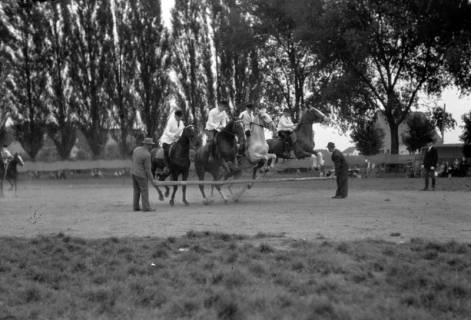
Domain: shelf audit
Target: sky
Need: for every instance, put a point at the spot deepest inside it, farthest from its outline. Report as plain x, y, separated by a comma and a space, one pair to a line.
455, 104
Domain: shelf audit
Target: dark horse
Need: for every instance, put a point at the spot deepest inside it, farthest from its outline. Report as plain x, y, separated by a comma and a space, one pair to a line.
11, 172
179, 163
304, 142
230, 142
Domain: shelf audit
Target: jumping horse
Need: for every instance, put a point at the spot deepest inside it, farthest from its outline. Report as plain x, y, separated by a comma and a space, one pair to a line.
230, 142
258, 153
179, 163
303, 137
9, 172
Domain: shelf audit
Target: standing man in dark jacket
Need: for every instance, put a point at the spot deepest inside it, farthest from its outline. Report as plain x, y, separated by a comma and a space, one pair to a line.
341, 171
141, 174
430, 163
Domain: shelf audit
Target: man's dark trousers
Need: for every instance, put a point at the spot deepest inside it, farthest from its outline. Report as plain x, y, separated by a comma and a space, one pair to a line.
141, 188
342, 183
429, 173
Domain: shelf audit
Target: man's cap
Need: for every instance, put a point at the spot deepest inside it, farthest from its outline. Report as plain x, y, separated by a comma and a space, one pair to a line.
331, 145
148, 141
249, 106
179, 113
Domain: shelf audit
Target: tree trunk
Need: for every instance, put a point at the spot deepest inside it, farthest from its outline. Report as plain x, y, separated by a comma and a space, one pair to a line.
394, 129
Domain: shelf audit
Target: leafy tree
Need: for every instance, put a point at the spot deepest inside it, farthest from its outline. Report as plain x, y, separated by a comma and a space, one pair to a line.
152, 54
62, 125
192, 57
120, 86
90, 54
368, 139
442, 120
238, 48
288, 63
25, 52
421, 131
466, 136
394, 48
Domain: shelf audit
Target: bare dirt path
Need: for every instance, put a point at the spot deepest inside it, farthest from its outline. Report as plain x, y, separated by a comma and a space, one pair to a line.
391, 209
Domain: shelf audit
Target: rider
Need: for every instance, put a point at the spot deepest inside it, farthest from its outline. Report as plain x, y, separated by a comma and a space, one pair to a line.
285, 129
5, 154
217, 120
173, 131
247, 118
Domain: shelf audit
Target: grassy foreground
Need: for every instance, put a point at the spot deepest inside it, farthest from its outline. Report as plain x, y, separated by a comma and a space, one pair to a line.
220, 276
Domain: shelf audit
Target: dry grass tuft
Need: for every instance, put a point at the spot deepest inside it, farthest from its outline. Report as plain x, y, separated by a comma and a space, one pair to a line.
205, 275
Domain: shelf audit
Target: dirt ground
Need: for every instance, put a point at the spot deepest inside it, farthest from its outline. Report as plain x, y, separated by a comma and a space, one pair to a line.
392, 209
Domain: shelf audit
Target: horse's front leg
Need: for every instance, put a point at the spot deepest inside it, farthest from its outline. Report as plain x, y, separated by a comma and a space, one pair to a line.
185, 178
175, 187
216, 177
162, 177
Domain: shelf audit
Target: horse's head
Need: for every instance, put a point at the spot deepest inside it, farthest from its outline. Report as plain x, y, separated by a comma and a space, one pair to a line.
239, 131
18, 158
263, 119
313, 115
235, 128
189, 131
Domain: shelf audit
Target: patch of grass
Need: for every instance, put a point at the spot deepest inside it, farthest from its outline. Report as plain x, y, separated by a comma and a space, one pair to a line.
223, 276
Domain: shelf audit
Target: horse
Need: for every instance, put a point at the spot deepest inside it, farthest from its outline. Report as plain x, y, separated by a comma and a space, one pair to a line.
178, 162
11, 172
230, 143
257, 147
303, 137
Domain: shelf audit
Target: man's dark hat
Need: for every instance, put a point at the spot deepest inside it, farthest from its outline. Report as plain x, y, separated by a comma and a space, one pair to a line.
179, 113
331, 145
249, 106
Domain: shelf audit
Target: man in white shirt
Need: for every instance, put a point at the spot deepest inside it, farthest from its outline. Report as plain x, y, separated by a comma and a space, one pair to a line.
172, 132
247, 118
217, 120
285, 129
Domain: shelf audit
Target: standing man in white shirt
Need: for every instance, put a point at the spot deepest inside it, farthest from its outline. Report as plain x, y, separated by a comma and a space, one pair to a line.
247, 118
285, 129
217, 120
172, 132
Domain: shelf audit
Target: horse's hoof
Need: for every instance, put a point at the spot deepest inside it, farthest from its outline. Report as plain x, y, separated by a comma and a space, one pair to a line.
161, 197
167, 194
186, 203
249, 186
172, 203
207, 202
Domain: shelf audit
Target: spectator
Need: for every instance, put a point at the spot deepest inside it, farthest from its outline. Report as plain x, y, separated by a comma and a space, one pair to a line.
341, 171
430, 164
141, 174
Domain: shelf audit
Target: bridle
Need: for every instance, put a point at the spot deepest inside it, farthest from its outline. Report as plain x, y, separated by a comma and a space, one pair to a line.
229, 132
261, 125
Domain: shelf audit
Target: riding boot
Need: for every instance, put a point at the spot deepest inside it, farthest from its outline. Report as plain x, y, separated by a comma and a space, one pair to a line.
166, 168
286, 150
